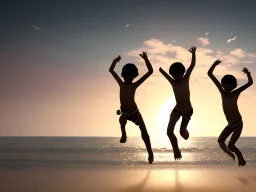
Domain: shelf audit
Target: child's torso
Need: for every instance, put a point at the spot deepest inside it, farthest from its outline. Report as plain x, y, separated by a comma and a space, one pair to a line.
182, 94
230, 107
127, 93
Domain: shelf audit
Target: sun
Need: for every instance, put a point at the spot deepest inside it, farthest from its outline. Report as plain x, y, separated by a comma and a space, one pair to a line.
162, 120
163, 117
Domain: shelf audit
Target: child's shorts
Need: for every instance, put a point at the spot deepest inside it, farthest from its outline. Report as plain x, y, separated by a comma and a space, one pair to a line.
135, 117
236, 125
187, 114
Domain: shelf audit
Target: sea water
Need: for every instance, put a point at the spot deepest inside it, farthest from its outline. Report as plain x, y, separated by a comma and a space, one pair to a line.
31, 152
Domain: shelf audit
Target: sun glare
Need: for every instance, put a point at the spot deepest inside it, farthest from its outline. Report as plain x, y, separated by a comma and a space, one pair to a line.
163, 116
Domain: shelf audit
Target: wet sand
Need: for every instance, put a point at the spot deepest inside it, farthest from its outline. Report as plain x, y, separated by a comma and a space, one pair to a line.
174, 178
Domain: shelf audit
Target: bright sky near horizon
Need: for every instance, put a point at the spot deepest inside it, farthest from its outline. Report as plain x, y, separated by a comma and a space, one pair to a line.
54, 61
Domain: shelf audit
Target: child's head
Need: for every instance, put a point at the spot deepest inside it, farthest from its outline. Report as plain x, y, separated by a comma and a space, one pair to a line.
177, 70
129, 72
229, 83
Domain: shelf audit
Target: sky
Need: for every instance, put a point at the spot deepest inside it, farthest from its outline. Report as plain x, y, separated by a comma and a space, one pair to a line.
55, 56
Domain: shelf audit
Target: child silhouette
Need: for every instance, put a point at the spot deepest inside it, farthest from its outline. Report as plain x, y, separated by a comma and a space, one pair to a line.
229, 103
180, 85
129, 110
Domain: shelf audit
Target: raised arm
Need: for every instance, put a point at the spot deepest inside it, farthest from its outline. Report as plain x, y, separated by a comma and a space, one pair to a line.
213, 78
168, 77
111, 70
193, 61
150, 69
248, 84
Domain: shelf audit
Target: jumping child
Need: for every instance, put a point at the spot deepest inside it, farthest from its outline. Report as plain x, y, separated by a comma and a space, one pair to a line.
129, 110
180, 85
229, 103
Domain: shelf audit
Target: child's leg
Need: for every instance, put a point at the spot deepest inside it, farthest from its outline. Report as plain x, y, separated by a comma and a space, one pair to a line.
123, 122
233, 148
222, 138
184, 123
172, 137
183, 128
146, 139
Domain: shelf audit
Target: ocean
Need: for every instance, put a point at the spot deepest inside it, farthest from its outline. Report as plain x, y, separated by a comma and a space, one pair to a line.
86, 152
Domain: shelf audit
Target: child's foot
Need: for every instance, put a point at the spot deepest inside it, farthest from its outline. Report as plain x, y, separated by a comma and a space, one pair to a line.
241, 162
233, 156
185, 134
150, 158
177, 154
123, 139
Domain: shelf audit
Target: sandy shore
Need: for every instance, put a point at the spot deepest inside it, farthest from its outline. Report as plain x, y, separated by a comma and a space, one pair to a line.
129, 179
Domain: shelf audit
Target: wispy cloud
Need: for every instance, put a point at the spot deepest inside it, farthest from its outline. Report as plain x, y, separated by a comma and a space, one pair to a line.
127, 25
36, 28
207, 33
204, 41
229, 40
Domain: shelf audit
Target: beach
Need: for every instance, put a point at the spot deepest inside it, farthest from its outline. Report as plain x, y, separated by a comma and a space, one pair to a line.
101, 164
129, 180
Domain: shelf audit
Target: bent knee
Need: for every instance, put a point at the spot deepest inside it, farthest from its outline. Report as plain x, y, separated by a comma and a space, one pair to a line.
220, 141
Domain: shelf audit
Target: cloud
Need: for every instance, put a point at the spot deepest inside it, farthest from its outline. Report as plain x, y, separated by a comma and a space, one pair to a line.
251, 55
238, 53
207, 33
163, 54
229, 40
36, 28
173, 41
204, 41
247, 62
127, 25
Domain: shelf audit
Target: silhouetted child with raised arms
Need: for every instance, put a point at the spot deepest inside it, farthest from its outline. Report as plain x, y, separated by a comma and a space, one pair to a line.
129, 110
229, 103
180, 85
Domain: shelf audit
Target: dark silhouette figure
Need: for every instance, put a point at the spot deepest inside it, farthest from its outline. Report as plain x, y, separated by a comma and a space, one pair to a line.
230, 108
180, 85
129, 110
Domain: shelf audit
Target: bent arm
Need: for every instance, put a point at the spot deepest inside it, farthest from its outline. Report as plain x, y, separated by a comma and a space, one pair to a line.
192, 65
214, 79
114, 74
248, 84
166, 75
144, 77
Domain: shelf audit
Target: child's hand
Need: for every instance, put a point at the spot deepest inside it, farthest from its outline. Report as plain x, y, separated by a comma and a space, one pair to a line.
117, 59
245, 70
144, 55
217, 62
192, 49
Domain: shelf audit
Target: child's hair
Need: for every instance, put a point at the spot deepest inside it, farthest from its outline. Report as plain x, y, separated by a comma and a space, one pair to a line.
177, 68
229, 79
130, 70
